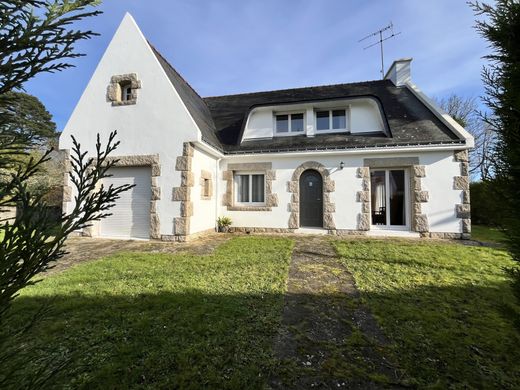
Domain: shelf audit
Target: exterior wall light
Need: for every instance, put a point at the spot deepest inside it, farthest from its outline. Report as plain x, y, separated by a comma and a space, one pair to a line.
341, 165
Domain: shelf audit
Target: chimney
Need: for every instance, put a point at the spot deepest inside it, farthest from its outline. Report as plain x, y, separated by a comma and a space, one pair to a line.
399, 72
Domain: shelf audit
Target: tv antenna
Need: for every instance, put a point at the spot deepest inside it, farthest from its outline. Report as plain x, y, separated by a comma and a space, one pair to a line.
382, 38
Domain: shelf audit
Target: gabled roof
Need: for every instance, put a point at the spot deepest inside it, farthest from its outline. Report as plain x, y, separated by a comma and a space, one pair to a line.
191, 99
221, 119
409, 121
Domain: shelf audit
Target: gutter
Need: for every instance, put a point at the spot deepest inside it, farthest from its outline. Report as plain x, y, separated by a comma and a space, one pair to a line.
335, 152
385, 148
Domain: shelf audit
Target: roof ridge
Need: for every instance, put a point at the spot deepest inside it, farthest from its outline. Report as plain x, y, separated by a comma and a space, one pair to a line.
171, 66
294, 89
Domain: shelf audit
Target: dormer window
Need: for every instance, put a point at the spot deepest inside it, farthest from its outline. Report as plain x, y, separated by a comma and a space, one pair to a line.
331, 120
289, 123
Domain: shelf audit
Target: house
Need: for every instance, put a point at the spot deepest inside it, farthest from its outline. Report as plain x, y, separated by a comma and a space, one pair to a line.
371, 158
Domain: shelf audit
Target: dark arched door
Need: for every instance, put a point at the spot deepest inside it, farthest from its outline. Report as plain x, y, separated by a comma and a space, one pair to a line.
311, 199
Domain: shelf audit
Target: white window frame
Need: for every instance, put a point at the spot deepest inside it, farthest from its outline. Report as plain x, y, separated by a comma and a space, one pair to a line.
126, 91
407, 202
289, 133
235, 192
346, 129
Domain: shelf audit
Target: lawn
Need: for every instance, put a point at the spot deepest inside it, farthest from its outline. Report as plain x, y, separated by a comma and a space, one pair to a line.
155, 320
487, 234
165, 321
443, 306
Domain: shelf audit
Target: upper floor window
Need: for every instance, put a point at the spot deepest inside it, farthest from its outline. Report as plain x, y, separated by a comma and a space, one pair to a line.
289, 123
122, 90
329, 120
126, 91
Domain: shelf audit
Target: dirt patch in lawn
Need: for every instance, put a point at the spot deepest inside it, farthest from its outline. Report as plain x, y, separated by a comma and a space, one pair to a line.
328, 339
83, 249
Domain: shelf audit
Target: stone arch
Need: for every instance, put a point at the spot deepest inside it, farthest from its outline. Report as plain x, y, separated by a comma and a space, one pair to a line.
293, 187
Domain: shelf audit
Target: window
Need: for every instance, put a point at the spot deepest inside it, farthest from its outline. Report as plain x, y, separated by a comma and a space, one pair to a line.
388, 197
289, 123
330, 120
206, 188
250, 188
126, 91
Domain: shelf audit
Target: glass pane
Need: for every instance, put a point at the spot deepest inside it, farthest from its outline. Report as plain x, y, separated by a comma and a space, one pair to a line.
258, 188
322, 120
297, 122
339, 120
243, 188
378, 197
206, 187
397, 205
282, 123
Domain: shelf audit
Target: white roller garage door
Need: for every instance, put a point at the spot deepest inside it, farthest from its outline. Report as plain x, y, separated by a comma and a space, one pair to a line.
131, 215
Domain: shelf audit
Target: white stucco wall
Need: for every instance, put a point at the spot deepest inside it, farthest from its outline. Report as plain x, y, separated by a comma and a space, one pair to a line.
158, 124
365, 117
440, 170
204, 210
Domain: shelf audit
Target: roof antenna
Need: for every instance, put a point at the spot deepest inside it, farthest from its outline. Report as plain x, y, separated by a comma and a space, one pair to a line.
382, 38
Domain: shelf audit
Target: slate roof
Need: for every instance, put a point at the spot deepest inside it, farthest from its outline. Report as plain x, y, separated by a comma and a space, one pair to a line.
221, 118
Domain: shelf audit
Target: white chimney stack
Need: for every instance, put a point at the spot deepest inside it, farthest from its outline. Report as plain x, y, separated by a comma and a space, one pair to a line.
399, 72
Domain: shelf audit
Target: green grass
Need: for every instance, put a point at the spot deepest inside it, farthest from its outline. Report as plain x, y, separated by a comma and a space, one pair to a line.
443, 306
487, 234
165, 321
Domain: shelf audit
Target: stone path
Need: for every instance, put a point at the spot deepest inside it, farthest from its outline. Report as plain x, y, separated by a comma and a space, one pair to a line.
83, 249
328, 339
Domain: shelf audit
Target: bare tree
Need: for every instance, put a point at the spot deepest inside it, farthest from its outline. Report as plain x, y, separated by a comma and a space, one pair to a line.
465, 112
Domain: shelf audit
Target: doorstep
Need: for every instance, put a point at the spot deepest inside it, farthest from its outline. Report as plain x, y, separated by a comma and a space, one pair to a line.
311, 230
393, 233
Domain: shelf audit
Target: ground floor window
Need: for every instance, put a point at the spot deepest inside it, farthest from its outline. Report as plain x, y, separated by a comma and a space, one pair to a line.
250, 188
389, 197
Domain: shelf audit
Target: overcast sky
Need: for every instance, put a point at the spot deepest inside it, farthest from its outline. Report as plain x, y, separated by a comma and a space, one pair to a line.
231, 46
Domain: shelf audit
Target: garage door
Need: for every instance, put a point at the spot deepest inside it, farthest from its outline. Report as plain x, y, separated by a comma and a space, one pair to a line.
131, 215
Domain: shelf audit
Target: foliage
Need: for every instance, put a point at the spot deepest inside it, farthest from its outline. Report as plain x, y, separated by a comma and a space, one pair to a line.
27, 130
224, 222
484, 208
442, 307
35, 37
500, 26
163, 320
25, 123
33, 241
465, 112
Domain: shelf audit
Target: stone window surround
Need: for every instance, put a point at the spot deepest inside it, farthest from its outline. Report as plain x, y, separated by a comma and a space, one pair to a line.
419, 221
293, 187
271, 200
463, 210
114, 92
181, 224
206, 176
151, 160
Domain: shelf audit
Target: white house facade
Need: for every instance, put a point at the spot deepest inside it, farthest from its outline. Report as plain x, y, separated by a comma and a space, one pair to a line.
371, 158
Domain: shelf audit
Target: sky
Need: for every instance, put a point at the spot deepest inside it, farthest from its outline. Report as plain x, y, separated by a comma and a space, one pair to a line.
232, 46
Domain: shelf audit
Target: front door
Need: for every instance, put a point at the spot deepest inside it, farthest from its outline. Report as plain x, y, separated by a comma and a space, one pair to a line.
311, 199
